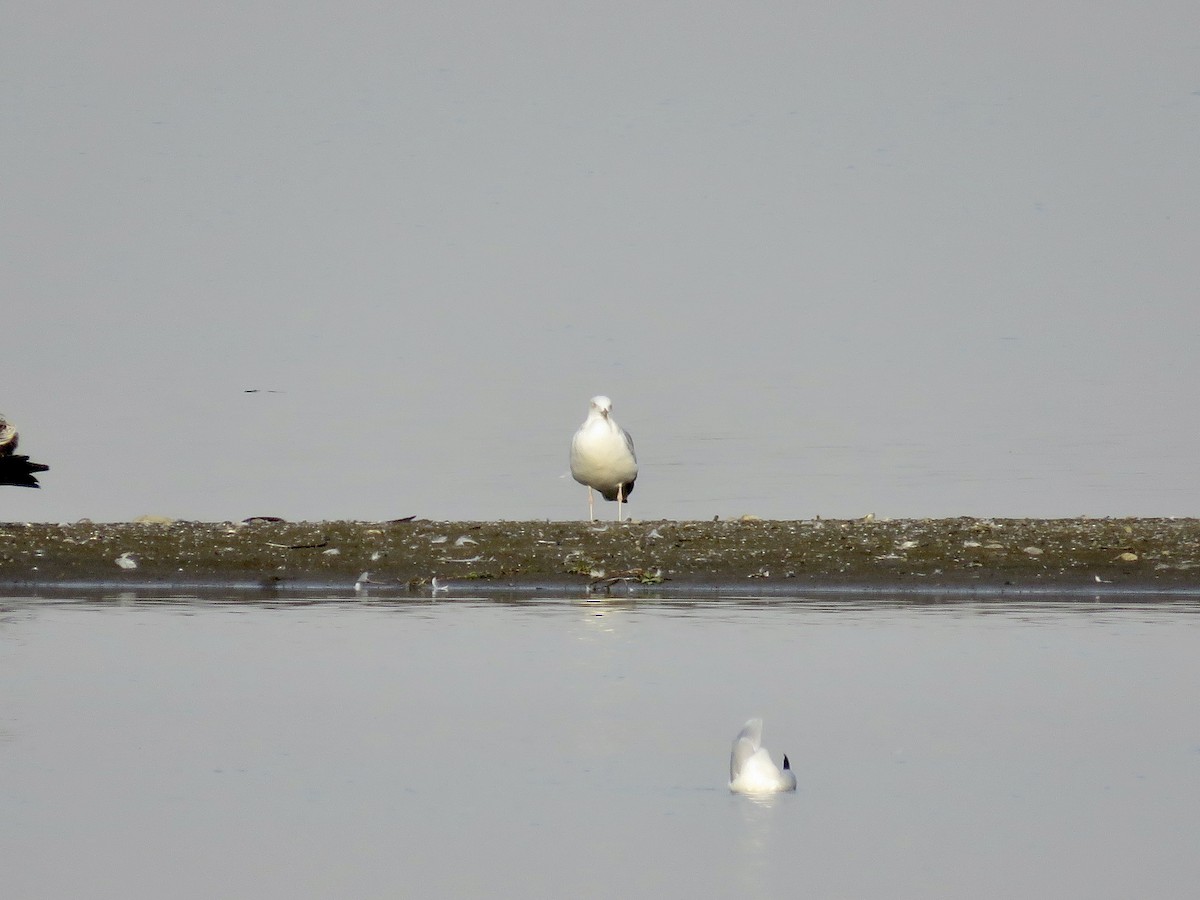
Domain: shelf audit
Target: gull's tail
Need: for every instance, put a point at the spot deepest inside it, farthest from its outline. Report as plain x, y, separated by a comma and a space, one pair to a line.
625, 490
19, 471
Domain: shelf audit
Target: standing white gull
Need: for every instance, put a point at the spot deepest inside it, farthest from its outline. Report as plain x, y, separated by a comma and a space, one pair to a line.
602, 456
751, 770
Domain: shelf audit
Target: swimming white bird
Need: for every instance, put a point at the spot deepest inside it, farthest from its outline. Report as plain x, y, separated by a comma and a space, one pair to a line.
750, 768
602, 456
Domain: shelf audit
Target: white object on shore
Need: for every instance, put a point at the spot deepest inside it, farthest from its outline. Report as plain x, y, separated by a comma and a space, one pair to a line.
602, 456
751, 770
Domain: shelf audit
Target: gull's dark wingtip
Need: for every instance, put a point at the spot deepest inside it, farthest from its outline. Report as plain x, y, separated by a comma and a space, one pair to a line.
625, 490
786, 765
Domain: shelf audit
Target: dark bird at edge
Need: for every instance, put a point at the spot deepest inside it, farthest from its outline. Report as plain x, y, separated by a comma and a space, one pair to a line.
15, 469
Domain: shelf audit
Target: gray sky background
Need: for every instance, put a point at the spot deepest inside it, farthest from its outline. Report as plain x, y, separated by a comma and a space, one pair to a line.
910, 258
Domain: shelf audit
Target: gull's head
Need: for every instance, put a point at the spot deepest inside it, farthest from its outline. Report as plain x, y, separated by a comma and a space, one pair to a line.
601, 405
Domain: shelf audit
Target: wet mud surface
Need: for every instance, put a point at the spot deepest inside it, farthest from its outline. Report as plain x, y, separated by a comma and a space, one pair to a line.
664, 558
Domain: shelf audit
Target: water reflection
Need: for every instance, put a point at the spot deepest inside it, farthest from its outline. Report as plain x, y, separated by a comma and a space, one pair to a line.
761, 842
565, 747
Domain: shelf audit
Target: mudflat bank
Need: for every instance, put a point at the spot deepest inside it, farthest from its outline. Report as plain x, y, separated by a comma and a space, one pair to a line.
746, 556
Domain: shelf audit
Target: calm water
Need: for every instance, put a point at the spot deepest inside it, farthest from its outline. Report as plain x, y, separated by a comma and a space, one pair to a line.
204, 749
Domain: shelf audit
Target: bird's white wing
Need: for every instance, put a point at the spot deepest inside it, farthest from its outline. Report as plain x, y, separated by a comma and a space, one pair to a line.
629, 444
745, 745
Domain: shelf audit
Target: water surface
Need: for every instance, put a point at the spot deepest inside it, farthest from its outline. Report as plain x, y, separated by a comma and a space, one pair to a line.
192, 748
